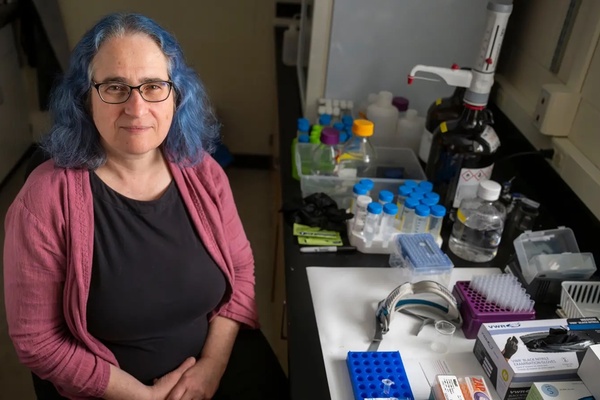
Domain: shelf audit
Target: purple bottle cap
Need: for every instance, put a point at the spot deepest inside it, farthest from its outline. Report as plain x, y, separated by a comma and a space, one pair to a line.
330, 136
401, 103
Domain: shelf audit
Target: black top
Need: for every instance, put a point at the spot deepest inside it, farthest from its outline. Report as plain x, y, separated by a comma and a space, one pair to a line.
153, 282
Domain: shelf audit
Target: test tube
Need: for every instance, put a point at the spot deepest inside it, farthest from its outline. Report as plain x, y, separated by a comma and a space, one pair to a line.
419, 190
387, 386
433, 196
428, 201
369, 185
385, 196
435, 220
416, 195
388, 223
421, 221
357, 190
426, 185
403, 192
410, 183
371, 225
362, 202
408, 217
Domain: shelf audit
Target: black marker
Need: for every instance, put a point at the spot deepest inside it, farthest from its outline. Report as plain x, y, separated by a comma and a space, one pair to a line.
327, 249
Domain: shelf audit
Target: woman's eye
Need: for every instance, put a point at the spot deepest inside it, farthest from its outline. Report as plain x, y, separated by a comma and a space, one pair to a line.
116, 88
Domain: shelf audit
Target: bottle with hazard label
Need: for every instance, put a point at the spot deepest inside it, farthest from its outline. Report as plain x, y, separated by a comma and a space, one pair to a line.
479, 223
462, 154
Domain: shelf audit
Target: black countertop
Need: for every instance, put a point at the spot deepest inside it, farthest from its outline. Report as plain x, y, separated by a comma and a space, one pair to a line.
306, 368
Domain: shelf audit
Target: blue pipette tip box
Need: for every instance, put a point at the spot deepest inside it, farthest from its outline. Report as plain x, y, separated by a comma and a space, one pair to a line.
368, 369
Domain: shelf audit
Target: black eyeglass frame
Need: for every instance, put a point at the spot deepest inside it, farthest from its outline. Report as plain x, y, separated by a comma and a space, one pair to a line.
131, 88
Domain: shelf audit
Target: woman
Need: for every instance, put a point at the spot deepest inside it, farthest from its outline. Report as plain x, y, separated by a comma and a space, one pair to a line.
127, 271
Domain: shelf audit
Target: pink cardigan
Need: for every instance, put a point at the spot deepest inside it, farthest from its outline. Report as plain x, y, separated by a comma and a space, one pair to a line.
48, 259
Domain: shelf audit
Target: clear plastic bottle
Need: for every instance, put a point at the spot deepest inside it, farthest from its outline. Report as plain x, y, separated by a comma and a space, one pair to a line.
388, 223
479, 223
408, 216
436, 220
372, 222
357, 190
358, 155
385, 118
421, 222
324, 157
385, 196
362, 202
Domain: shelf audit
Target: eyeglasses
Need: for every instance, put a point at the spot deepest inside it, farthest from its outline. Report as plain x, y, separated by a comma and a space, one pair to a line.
118, 92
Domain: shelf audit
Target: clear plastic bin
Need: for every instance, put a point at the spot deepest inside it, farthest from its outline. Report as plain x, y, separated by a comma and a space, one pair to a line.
580, 299
552, 254
390, 162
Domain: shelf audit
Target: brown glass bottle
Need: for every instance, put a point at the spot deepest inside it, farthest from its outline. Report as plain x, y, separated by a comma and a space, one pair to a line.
445, 109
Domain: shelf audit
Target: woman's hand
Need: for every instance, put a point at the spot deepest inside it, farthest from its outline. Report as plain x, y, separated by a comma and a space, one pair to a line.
200, 382
163, 386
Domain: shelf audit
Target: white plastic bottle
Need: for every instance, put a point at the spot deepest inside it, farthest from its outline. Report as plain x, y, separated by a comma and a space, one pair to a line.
409, 130
385, 118
479, 223
289, 53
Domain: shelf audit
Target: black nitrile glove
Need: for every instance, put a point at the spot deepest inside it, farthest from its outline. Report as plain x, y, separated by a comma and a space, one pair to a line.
512, 344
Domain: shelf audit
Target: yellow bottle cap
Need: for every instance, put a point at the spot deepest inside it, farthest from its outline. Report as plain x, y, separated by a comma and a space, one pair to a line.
362, 127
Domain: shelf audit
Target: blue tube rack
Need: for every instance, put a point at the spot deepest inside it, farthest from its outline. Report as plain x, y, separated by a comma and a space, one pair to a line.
368, 369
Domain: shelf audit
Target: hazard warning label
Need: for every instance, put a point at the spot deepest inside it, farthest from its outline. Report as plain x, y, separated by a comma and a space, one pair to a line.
468, 181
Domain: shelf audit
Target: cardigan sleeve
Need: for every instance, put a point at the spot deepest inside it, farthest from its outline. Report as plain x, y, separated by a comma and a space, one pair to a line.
34, 278
242, 306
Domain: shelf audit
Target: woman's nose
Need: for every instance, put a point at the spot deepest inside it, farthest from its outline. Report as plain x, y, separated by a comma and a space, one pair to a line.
136, 105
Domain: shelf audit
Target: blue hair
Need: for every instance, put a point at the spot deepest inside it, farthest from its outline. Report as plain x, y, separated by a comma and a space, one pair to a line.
74, 141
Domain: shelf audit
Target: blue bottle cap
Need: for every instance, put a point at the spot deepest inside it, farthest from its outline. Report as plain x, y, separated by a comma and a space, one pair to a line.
325, 119
416, 196
347, 120
343, 137
434, 196
339, 126
411, 203
374, 208
367, 182
386, 196
428, 186
419, 190
360, 189
303, 138
422, 210
410, 183
404, 190
429, 202
438, 210
303, 125
390, 208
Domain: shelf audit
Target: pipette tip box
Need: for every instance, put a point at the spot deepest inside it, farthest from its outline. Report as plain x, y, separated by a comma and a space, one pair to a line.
368, 370
475, 310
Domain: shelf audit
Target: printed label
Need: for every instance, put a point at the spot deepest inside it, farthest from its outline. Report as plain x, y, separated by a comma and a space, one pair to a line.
491, 138
438, 101
468, 181
443, 127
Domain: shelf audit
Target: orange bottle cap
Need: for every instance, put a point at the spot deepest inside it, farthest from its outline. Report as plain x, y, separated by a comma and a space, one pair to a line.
362, 127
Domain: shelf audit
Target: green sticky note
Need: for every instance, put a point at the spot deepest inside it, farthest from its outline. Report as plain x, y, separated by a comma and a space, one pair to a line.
313, 231
312, 241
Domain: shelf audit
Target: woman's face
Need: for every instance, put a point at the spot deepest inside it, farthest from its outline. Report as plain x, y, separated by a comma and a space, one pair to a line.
135, 128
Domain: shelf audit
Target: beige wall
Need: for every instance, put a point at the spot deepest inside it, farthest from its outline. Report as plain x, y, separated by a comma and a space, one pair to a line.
229, 42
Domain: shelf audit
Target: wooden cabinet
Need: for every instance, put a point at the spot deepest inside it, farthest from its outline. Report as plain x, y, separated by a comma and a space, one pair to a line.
15, 136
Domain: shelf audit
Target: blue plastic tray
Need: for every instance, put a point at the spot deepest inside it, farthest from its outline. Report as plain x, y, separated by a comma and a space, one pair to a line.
369, 368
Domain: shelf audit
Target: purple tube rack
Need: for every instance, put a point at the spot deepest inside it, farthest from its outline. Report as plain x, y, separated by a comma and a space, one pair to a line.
475, 310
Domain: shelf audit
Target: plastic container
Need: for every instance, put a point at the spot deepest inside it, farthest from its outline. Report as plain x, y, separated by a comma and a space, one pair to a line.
362, 202
580, 299
340, 188
552, 254
368, 183
385, 196
369, 372
324, 157
426, 186
476, 310
436, 220
385, 117
421, 224
403, 193
422, 258
358, 156
407, 222
372, 222
409, 130
479, 223
357, 190
387, 227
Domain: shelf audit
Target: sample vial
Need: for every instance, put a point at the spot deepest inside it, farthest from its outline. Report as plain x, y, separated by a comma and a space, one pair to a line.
408, 217
419, 190
421, 221
416, 195
410, 183
403, 192
388, 223
371, 226
368, 183
428, 201
357, 190
385, 196
426, 185
433, 196
348, 121
436, 220
362, 202
303, 127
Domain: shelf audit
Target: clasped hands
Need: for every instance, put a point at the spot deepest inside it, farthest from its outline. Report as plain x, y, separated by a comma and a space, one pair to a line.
192, 380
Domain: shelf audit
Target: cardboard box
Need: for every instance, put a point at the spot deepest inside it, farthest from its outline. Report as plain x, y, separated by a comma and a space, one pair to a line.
512, 367
588, 372
558, 390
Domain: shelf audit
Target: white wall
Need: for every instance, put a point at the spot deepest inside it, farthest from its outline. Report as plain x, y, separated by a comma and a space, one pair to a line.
230, 44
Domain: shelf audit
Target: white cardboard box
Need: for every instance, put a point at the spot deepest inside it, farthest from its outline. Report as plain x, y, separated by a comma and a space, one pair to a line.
512, 367
589, 370
558, 390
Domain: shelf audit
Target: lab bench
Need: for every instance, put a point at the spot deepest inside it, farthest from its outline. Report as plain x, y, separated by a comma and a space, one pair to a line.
534, 177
